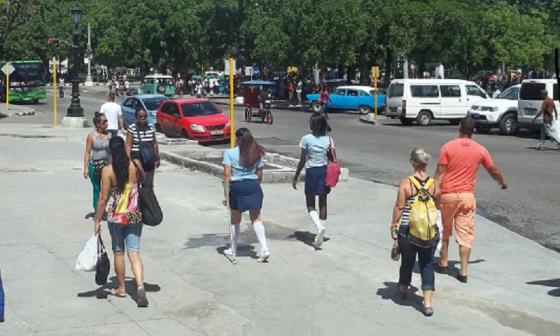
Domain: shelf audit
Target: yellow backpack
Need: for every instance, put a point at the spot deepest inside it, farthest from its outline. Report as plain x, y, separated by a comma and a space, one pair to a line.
422, 219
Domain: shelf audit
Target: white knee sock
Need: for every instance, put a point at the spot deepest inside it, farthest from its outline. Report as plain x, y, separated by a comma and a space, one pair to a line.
259, 231
324, 223
315, 219
235, 237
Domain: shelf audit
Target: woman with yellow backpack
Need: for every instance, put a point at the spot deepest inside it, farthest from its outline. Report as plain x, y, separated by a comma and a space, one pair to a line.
414, 227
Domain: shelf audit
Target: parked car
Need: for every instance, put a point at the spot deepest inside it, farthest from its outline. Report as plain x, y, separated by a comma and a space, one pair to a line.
426, 99
500, 112
351, 97
149, 102
530, 101
158, 84
193, 118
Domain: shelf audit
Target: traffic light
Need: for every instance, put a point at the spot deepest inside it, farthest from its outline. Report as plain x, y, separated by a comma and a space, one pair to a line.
53, 40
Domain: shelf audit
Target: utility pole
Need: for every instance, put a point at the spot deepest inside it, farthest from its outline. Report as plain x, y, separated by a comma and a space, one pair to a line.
89, 55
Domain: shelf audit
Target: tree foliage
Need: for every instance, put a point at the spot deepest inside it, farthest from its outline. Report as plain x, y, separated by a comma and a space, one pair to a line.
465, 35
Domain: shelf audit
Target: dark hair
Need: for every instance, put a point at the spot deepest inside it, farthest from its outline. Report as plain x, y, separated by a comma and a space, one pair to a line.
467, 125
319, 124
111, 96
97, 118
119, 161
249, 150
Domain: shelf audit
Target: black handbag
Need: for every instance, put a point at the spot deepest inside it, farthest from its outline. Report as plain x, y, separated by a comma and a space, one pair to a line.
148, 203
103, 266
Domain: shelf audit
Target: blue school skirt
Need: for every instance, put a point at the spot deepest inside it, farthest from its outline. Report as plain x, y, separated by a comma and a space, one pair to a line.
315, 181
245, 195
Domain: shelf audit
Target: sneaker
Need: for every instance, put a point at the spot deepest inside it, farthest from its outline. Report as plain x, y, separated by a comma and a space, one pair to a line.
540, 145
229, 252
264, 257
319, 237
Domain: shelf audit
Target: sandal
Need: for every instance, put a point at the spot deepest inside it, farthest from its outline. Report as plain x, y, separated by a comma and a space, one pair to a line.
142, 299
116, 292
440, 269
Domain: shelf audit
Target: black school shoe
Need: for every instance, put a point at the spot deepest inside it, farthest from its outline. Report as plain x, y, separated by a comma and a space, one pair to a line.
462, 278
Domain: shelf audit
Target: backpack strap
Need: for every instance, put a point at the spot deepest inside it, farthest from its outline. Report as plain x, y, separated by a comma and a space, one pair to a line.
418, 185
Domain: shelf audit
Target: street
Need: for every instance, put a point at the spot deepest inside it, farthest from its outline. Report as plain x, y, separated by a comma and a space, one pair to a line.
347, 288
380, 153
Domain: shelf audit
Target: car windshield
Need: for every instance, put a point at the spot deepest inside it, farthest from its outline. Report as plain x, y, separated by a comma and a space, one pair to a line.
152, 104
199, 109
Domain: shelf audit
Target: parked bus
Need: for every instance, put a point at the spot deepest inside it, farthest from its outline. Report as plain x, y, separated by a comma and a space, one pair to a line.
27, 82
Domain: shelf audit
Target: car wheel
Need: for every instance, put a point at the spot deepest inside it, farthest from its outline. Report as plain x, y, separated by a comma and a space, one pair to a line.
161, 89
406, 121
158, 128
316, 106
364, 109
508, 124
424, 118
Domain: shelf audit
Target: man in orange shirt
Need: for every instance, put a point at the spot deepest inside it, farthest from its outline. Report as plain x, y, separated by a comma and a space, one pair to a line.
456, 174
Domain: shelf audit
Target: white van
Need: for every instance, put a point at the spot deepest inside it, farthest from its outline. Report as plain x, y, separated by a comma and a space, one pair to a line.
530, 100
426, 99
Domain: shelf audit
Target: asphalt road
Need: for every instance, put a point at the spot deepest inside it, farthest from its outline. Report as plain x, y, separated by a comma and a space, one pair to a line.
380, 153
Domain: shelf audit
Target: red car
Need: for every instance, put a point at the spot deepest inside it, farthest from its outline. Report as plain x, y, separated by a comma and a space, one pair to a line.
193, 118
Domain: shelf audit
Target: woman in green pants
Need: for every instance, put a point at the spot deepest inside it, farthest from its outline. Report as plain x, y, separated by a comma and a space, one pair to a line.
96, 155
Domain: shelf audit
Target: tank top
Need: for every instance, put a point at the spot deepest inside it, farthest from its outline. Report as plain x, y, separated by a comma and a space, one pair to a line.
123, 207
100, 148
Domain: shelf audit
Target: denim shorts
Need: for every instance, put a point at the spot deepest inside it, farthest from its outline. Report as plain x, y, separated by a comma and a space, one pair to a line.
125, 236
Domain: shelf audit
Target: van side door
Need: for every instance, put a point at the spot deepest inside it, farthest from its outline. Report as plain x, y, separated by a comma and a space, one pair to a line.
452, 105
425, 97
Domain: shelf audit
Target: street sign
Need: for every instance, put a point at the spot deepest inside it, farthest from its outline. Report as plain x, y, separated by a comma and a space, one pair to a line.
375, 71
226, 66
8, 69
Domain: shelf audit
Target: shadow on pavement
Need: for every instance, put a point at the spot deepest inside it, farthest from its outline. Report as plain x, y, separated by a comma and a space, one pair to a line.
453, 266
307, 238
242, 251
129, 285
389, 292
549, 283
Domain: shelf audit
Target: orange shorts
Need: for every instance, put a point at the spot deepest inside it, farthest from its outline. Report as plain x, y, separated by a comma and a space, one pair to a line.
457, 212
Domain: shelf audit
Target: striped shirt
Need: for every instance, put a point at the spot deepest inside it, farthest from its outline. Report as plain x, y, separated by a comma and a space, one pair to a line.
147, 134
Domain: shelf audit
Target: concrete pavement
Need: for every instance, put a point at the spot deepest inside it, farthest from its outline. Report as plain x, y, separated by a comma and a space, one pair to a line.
345, 289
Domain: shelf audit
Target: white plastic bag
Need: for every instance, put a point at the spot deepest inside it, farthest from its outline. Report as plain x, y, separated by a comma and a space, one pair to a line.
87, 260
440, 229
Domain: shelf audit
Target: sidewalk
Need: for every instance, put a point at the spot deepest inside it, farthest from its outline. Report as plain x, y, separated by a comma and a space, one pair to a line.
15, 110
345, 289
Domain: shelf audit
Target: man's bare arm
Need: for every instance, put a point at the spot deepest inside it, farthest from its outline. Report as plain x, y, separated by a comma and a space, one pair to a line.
496, 174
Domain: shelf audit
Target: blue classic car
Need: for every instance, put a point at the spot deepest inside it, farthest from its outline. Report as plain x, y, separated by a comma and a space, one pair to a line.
352, 97
150, 102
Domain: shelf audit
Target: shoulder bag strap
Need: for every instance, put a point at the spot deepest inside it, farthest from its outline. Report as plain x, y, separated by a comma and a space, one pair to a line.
138, 175
139, 137
331, 149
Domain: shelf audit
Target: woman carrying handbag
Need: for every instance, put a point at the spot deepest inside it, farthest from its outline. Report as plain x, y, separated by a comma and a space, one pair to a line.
315, 148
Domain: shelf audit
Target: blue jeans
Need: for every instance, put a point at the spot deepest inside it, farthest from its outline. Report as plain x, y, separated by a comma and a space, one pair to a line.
125, 236
425, 263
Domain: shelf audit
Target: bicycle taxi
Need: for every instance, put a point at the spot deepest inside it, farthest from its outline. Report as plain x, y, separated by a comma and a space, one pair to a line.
257, 96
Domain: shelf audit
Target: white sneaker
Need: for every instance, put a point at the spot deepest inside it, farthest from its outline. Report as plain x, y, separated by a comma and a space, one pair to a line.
264, 256
229, 252
319, 237
540, 145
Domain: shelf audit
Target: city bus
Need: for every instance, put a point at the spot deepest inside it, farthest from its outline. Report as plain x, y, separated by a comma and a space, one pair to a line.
27, 82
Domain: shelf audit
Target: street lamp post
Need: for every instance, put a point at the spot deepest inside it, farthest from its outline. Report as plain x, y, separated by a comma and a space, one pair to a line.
89, 55
75, 110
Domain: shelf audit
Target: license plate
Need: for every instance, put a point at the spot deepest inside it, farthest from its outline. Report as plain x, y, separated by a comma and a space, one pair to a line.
217, 132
